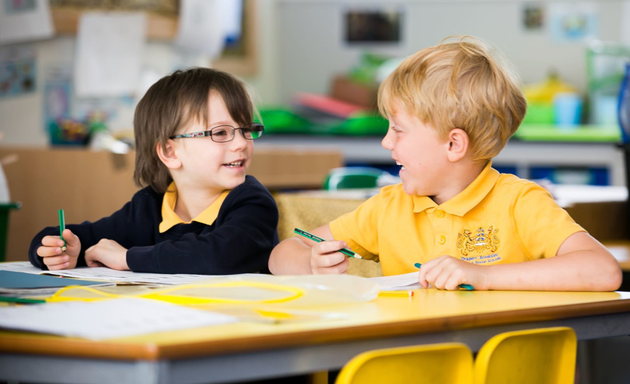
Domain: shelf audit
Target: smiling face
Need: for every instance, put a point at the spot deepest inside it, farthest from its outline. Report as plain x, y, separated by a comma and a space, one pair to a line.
206, 164
420, 152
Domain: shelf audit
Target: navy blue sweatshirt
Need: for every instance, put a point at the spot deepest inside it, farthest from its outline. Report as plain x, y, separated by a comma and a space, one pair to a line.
239, 241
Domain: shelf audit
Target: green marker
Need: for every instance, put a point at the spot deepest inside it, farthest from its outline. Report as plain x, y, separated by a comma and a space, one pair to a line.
21, 300
467, 287
308, 235
62, 226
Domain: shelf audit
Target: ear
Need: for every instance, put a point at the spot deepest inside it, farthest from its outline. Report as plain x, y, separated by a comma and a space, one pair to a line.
168, 157
458, 144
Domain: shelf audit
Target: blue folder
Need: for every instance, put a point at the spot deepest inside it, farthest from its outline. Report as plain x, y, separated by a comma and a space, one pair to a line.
20, 280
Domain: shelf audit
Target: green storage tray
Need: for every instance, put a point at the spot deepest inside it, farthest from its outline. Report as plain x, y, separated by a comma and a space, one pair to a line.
582, 133
362, 124
283, 121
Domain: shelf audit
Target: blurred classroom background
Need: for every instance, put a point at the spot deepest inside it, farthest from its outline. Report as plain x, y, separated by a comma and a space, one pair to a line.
72, 71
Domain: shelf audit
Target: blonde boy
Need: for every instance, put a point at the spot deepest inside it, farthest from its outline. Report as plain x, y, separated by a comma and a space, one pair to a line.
451, 109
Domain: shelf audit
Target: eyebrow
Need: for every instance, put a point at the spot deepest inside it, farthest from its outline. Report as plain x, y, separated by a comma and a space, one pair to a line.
222, 122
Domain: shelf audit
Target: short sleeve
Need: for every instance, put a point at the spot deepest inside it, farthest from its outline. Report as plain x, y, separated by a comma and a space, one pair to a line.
359, 228
542, 225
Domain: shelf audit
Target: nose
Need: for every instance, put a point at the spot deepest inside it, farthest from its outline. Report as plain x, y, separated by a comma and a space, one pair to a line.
239, 142
387, 141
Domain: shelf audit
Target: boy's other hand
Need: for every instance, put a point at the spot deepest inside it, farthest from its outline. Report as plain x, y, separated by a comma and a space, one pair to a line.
107, 253
53, 255
447, 272
326, 258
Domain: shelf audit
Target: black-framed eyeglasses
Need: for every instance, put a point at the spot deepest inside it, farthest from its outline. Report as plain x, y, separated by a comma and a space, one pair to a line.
225, 133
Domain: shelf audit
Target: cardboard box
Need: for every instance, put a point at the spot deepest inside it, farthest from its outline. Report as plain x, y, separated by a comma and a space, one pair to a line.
352, 92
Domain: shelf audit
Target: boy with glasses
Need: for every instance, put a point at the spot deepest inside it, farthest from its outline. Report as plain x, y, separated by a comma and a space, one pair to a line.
199, 212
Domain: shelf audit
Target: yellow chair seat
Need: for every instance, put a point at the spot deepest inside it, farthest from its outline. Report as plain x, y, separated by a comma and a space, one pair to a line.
448, 363
541, 356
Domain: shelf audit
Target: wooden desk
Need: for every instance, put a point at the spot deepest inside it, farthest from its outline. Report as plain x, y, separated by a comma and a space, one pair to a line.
244, 351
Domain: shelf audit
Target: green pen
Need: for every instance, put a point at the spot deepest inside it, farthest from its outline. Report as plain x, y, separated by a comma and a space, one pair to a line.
62, 226
467, 287
308, 235
21, 300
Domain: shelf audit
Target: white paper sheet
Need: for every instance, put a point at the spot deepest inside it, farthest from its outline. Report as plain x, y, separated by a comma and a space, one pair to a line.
99, 320
109, 53
20, 266
106, 274
398, 282
232, 11
24, 21
567, 195
201, 27
625, 22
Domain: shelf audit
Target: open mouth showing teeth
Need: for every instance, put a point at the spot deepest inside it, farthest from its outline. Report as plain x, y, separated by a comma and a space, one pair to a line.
400, 165
234, 164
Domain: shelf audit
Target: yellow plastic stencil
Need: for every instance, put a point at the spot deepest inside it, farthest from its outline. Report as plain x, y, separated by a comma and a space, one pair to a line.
233, 292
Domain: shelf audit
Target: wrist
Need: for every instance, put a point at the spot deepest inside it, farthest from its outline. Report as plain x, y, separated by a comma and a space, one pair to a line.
125, 266
490, 281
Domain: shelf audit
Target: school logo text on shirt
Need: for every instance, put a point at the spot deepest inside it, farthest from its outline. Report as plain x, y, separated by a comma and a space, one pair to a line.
480, 247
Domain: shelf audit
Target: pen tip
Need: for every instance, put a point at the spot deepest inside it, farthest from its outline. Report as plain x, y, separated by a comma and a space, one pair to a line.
417, 265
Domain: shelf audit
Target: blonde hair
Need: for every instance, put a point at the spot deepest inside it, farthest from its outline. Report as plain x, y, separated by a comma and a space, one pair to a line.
460, 83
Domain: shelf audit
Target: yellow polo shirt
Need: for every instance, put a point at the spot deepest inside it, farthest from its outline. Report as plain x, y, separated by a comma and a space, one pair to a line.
170, 218
497, 219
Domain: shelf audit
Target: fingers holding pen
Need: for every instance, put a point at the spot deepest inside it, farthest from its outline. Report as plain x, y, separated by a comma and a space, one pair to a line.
326, 258
51, 246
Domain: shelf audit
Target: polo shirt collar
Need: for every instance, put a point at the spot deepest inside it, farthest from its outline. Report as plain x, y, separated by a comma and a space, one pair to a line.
170, 218
466, 199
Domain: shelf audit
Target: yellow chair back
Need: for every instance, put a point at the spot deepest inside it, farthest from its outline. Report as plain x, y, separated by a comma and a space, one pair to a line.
448, 363
541, 356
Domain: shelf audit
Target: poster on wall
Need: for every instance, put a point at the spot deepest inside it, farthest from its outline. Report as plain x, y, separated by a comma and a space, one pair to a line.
534, 16
202, 27
109, 54
573, 22
57, 96
373, 26
18, 71
24, 20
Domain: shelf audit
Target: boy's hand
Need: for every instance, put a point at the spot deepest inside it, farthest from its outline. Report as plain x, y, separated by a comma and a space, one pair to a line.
447, 272
326, 258
107, 253
54, 257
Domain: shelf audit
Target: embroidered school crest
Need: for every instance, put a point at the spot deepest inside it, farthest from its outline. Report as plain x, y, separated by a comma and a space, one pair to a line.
479, 243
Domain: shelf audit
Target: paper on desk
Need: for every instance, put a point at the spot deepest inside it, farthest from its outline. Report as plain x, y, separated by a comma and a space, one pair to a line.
109, 53
398, 282
106, 319
106, 274
20, 266
24, 20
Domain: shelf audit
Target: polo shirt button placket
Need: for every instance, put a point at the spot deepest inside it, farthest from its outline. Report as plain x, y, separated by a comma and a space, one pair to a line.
439, 214
442, 239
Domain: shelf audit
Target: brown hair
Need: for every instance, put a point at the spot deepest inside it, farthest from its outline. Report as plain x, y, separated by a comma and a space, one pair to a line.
460, 83
170, 104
